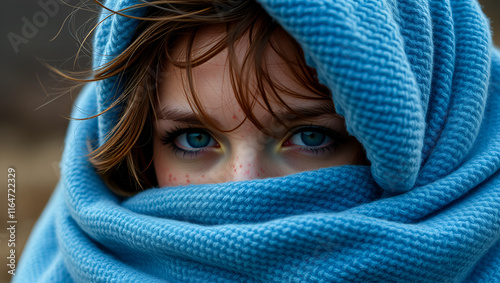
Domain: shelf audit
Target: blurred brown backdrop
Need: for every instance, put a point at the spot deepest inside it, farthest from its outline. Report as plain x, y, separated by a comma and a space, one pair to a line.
33, 106
32, 123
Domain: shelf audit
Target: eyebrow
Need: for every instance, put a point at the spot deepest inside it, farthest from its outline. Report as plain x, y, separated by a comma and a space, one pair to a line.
189, 117
184, 116
307, 112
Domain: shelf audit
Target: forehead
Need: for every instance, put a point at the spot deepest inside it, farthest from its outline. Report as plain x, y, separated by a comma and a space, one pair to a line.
208, 36
214, 74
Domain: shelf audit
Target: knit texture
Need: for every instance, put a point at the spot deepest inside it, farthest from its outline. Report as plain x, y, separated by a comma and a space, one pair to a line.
418, 83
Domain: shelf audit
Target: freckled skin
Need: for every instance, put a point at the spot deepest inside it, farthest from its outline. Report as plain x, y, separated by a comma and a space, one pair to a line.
242, 153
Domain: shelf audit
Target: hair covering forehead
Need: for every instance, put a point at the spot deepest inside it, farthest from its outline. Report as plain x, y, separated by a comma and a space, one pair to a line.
402, 73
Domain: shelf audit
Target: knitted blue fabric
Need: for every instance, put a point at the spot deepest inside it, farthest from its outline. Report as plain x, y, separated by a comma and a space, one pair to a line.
418, 83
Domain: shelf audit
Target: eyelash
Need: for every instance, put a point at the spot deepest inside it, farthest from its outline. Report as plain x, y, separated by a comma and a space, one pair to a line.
336, 137
169, 137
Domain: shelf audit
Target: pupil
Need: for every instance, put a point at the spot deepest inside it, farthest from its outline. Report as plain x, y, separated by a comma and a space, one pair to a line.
197, 140
312, 138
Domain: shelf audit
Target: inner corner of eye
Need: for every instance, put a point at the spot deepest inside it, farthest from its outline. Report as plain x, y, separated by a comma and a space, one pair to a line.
287, 141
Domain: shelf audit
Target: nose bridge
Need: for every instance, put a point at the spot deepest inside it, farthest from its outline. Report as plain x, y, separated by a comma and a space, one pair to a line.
246, 160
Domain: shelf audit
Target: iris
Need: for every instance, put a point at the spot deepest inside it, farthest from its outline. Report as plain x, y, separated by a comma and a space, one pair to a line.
198, 139
310, 138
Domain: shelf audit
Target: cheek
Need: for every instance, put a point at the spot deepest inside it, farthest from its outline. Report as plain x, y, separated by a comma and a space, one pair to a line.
164, 174
348, 153
169, 173
171, 177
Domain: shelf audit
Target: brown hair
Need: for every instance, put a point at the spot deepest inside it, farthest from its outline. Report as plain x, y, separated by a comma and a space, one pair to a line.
128, 150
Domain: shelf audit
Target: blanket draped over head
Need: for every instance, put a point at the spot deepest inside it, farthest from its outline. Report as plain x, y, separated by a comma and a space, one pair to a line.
418, 83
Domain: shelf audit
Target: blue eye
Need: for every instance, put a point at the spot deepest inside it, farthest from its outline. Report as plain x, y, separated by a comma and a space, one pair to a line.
195, 140
314, 140
188, 143
309, 138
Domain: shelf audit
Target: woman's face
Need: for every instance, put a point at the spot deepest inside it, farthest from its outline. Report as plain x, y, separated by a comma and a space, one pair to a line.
186, 151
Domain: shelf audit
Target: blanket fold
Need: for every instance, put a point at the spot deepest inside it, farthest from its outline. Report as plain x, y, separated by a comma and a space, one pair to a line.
418, 83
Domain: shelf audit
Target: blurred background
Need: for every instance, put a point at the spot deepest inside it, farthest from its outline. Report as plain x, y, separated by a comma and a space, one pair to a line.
34, 103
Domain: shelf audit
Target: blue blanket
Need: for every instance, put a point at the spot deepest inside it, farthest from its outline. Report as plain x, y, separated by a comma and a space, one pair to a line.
418, 83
